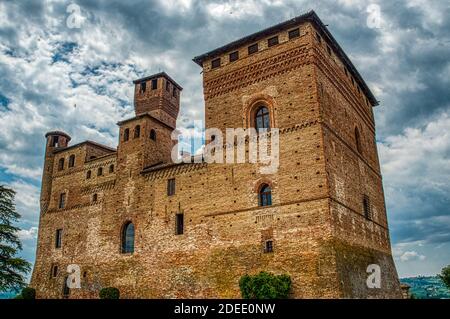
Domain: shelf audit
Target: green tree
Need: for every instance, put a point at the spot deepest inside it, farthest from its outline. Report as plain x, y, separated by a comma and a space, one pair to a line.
265, 286
109, 293
445, 276
12, 268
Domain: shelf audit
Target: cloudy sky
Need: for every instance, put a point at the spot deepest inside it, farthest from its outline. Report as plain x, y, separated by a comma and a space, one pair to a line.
69, 69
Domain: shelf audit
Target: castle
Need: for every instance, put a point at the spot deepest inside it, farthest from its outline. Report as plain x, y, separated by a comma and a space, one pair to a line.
134, 219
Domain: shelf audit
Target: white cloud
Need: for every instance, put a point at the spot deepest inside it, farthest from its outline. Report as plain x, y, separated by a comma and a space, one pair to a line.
28, 234
411, 255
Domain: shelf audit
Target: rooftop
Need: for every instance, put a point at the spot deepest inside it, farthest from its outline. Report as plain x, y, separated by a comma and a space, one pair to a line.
92, 143
312, 17
158, 75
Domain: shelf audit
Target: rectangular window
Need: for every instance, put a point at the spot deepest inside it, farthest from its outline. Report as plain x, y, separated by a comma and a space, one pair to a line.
268, 248
215, 63
366, 206
62, 200
58, 239
179, 224
234, 56
143, 87
294, 33
171, 187
253, 48
272, 41
167, 86
154, 84
72, 161
174, 92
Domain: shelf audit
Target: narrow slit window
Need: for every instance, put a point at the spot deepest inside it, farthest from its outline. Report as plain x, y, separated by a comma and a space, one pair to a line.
128, 238
366, 207
171, 187
179, 224
62, 200
54, 271
58, 238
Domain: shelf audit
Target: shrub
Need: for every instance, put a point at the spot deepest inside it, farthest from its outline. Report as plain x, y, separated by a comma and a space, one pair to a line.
265, 286
28, 293
445, 276
109, 293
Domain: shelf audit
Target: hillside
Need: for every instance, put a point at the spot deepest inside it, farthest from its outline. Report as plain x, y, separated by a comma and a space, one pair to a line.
427, 287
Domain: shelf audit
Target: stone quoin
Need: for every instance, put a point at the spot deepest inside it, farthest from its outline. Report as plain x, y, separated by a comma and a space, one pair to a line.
133, 219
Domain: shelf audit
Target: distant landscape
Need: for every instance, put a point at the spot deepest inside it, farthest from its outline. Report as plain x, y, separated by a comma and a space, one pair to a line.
427, 287
421, 287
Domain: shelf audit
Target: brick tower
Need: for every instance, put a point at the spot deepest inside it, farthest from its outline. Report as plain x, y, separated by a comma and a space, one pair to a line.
159, 96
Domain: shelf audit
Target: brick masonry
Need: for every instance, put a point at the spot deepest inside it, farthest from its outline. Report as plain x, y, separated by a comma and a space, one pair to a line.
321, 237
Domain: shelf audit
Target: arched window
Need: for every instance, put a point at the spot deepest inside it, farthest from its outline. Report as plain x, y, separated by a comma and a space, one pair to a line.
153, 135
265, 195
126, 134
61, 164
128, 238
72, 161
111, 168
137, 131
100, 171
262, 118
88, 174
358, 140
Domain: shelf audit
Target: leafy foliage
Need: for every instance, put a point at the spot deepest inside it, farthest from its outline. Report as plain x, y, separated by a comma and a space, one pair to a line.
12, 268
445, 276
265, 286
28, 293
109, 293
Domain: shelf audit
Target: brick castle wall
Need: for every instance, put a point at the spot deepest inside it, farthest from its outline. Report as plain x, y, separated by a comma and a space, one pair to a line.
320, 235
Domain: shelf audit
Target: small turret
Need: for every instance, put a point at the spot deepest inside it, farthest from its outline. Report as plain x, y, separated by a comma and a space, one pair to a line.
54, 140
57, 139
